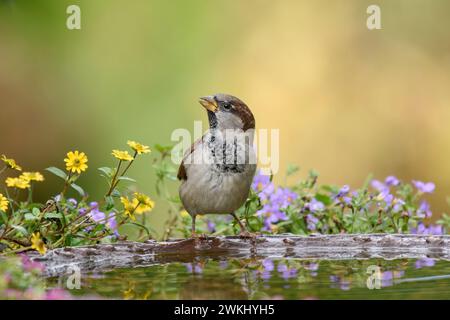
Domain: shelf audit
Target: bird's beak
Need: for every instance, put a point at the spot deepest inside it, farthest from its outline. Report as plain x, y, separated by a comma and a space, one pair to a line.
209, 103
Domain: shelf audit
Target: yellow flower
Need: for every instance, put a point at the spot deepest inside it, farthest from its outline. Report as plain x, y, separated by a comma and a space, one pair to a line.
129, 207
138, 205
37, 243
129, 294
11, 163
32, 176
122, 155
184, 213
3, 203
76, 161
139, 148
20, 183
145, 203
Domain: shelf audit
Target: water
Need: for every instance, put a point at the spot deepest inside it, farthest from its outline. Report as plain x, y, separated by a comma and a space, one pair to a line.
273, 279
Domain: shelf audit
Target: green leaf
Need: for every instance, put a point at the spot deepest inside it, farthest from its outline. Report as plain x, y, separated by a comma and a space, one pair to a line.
21, 229
126, 179
109, 203
53, 215
291, 169
162, 149
107, 171
326, 200
4, 216
30, 217
367, 181
78, 189
57, 172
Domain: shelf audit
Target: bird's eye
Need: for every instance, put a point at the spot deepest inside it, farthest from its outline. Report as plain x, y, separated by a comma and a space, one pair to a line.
227, 106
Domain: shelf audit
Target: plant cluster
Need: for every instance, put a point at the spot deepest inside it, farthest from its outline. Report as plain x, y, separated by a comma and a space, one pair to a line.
64, 221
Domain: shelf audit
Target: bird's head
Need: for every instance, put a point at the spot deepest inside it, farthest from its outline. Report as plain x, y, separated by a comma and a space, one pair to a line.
227, 112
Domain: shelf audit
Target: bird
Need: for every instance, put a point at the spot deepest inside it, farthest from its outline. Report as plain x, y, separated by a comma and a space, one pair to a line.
217, 171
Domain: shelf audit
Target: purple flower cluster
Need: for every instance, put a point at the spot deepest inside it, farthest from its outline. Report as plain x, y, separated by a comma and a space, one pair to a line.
194, 268
388, 277
424, 187
342, 283
283, 270
425, 262
30, 265
100, 217
274, 200
385, 197
431, 229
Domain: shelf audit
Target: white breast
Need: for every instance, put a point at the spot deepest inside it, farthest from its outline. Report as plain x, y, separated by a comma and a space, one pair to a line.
213, 186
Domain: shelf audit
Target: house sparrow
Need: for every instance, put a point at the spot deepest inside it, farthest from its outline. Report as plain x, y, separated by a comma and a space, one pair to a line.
218, 170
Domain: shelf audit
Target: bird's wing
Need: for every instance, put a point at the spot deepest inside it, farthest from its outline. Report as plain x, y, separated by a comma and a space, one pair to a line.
182, 175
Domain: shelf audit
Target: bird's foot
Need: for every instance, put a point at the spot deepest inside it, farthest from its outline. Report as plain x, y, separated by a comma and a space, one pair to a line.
247, 235
199, 237
203, 236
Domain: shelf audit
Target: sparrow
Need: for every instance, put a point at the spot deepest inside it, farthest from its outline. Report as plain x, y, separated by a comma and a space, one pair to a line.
216, 173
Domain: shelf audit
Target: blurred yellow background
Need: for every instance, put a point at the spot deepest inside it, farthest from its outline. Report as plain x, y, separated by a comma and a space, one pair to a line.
348, 101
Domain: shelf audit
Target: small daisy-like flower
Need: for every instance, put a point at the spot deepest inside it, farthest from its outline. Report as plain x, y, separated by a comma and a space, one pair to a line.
11, 163
32, 176
37, 243
184, 213
139, 148
3, 203
130, 293
129, 207
145, 203
19, 183
76, 161
122, 155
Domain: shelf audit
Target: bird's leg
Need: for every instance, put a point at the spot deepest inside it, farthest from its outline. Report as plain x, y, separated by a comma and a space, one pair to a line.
193, 235
244, 232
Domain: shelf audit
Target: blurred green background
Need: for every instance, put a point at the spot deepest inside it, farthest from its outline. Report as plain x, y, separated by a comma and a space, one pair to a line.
348, 101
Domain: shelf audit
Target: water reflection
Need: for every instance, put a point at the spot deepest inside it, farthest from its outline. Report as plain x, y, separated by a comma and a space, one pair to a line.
280, 278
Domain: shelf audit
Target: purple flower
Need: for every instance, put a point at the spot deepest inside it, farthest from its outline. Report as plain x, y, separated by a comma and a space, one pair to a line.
378, 185
424, 210
93, 205
432, 229
424, 187
194, 268
268, 265
314, 205
385, 196
260, 182
112, 223
312, 221
343, 191
266, 275
425, 262
30, 265
392, 181
223, 264
73, 202
398, 205
347, 200
286, 272
57, 294
211, 226
275, 203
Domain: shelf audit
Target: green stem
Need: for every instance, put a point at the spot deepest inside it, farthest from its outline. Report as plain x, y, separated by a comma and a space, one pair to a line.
113, 181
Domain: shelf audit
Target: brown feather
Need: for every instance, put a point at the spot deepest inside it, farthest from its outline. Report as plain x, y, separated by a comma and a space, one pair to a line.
182, 174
